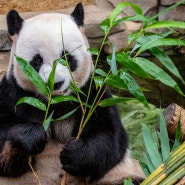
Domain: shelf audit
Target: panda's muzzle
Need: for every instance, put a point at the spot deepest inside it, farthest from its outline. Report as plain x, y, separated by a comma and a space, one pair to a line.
58, 85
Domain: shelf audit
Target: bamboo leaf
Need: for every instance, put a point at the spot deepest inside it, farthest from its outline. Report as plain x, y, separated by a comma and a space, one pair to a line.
32, 75
58, 99
166, 24
160, 42
151, 147
129, 63
99, 80
166, 61
48, 121
113, 101
140, 18
112, 61
148, 162
133, 87
120, 7
100, 72
128, 182
32, 101
65, 116
94, 51
51, 79
116, 81
157, 73
105, 25
164, 139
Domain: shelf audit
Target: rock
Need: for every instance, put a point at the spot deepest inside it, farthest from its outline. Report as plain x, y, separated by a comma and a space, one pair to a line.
174, 14
4, 59
5, 41
142, 3
169, 2
94, 17
120, 40
104, 4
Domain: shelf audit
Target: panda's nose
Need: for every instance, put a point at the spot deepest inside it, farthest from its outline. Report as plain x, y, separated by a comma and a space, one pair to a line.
58, 85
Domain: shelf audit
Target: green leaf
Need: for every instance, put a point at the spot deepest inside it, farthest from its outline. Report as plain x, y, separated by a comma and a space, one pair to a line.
47, 121
157, 73
128, 182
148, 162
99, 80
65, 116
62, 61
178, 137
140, 18
160, 42
58, 99
112, 61
105, 25
113, 101
166, 24
166, 61
133, 87
94, 51
151, 147
116, 81
51, 79
32, 101
76, 89
32, 75
120, 7
129, 63
100, 72
164, 139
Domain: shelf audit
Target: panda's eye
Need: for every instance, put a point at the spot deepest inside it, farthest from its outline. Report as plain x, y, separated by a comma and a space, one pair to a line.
71, 60
36, 62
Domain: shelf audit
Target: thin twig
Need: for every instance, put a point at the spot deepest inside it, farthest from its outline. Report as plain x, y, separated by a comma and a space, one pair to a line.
64, 179
34, 173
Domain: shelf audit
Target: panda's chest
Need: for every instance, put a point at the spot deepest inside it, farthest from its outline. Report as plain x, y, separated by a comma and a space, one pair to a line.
61, 131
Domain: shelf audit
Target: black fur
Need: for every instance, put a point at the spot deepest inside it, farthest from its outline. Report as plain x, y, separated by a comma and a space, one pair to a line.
36, 62
78, 14
14, 21
70, 59
101, 146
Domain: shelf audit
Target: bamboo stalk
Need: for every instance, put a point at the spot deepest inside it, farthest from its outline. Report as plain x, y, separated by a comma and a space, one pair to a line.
175, 176
165, 170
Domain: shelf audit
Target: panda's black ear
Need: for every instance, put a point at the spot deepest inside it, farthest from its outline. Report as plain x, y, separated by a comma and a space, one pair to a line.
14, 22
78, 14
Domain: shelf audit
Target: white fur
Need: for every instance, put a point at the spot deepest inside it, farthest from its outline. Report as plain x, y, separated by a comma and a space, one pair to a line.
43, 35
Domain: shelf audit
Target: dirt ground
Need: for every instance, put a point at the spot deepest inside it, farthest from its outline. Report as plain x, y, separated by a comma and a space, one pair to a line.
38, 5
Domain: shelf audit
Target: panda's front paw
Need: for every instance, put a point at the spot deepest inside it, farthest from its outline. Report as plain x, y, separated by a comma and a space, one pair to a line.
29, 138
73, 159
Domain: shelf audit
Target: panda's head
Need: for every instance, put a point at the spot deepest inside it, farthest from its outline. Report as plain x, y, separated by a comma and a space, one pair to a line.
44, 38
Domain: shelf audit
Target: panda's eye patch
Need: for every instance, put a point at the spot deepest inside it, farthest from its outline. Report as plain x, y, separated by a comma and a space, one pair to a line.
70, 59
36, 62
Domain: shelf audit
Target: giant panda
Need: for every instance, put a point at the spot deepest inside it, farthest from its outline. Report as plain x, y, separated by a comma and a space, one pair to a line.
103, 144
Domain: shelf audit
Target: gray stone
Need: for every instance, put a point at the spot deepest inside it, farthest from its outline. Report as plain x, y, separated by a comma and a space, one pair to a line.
169, 2
93, 19
104, 4
4, 60
5, 41
146, 6
120, 40
174, 14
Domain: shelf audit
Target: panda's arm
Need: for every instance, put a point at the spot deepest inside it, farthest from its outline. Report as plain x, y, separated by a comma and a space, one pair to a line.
19, 137
102, 145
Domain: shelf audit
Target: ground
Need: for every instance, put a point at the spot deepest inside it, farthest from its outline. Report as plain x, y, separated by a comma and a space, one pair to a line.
38, 5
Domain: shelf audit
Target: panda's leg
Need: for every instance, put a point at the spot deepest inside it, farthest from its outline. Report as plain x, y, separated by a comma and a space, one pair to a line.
102, 144
17, 143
